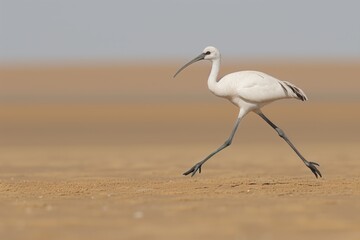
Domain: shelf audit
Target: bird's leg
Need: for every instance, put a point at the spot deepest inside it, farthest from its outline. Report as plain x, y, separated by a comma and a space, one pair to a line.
282, 134
227, 143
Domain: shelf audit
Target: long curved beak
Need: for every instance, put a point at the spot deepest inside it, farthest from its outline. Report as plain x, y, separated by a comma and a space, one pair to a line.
198, 58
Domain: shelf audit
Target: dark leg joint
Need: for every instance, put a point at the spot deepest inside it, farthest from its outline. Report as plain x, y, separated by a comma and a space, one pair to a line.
280, 132
227, 143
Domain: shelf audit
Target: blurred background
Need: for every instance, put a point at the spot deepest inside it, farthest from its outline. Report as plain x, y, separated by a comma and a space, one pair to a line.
100, 72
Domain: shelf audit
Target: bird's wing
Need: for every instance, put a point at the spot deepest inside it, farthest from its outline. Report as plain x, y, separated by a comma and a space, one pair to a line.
259, 87
294, 90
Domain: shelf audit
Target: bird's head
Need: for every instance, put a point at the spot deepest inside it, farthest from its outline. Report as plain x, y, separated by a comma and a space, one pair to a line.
209, 53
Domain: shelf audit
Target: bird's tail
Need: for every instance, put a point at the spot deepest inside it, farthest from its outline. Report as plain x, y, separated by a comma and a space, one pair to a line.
295, 91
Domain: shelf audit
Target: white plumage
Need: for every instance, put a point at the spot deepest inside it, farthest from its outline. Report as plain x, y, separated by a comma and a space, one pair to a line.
250, 91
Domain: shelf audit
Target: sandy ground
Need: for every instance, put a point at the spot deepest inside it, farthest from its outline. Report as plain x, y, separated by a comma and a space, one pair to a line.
79, 161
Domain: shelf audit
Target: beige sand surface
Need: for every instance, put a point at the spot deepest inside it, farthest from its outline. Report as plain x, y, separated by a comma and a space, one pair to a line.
97, 153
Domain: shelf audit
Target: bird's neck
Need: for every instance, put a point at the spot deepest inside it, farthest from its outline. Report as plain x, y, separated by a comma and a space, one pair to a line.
213, 77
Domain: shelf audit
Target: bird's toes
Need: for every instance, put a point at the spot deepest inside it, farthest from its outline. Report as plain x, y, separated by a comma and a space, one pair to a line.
195, 169
188, 172
314, 163
191, 170
318, 172
314, 172
314, 169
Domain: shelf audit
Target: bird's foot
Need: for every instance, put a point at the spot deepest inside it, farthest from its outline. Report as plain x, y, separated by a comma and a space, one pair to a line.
194, 169
312, 166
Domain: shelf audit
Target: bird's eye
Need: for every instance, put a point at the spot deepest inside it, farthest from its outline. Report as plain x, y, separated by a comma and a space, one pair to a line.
208, 53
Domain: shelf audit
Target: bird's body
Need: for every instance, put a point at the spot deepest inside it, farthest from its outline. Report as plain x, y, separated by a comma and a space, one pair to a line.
253, 89
250, 91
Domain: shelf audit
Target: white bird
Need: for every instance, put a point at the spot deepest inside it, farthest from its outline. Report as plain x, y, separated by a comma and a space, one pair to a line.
250, 91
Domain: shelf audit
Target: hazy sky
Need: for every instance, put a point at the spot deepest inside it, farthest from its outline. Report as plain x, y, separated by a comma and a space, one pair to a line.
58, 30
